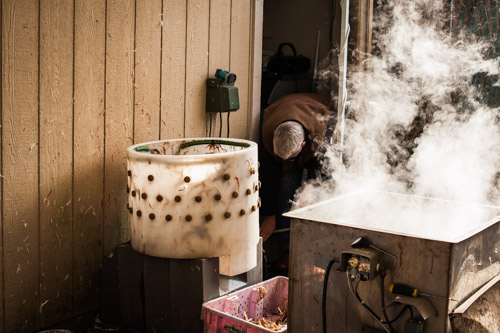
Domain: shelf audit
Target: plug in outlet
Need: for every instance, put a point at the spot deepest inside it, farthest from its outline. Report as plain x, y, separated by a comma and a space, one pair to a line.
360, 263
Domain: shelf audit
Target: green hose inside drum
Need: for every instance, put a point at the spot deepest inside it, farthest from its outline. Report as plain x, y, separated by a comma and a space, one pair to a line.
213, 142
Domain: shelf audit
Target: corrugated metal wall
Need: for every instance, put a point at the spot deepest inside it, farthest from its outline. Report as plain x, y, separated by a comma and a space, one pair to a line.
81, 81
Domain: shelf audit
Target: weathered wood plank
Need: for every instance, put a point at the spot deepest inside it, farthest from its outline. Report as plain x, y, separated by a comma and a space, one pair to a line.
88, 150
56, 161
196, 67
173, 80
240, 64
147, 70
257, 21
2, 71
219, 48
119, 118
20, 165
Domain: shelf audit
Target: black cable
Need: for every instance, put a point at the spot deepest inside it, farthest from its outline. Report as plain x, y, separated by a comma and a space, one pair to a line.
382, 299
406, 307
325, 289
210, 130
220, 121
354, 292
228, 123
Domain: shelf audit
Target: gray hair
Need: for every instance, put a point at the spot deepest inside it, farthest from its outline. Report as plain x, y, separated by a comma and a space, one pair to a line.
288, 138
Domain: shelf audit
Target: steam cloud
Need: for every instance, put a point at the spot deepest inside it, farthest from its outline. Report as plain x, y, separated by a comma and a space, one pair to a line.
417, 122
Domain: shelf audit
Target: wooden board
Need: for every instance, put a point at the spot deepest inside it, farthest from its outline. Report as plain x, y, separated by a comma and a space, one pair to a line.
2, 71
253, 122
88, 150
119, 118
147, 70
240, 64
71, 76
56, 160
219, 51
196, 67
173, 68
20, 164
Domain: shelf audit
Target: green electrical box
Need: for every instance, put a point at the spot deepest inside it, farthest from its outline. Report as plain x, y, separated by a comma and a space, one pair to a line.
221, 96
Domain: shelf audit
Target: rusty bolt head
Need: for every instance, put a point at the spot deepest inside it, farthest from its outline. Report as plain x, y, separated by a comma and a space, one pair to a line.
189, 218
254, 208
152, 216
242, 212
131, 210
151, 178
187, 179
217, 197
235, 195
227, 215
197, 198
144, 196
159, 198
139, 213
249, 191
177, 198
208, 217
129, 173
168, 217
227, 176
133, 193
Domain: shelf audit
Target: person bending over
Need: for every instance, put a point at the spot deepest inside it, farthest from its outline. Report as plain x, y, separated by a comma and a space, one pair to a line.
292, 131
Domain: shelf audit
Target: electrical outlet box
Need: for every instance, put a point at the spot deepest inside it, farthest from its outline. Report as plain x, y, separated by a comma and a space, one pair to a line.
362, 263
221, 96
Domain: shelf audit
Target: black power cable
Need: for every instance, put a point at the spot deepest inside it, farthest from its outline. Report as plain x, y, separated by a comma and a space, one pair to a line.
210, 130
354, 292
228, 123
406, 307
220, 123
325, 290
382, 299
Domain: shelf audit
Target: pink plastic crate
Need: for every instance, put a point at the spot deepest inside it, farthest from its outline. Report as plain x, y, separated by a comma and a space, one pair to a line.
226, 314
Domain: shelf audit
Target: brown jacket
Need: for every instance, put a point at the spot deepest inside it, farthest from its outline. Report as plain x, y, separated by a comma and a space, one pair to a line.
310, 110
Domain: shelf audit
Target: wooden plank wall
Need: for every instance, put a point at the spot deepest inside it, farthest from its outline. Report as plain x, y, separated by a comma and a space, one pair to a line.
81, 80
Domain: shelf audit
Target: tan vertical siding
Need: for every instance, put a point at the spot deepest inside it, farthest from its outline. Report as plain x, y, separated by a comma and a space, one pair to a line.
219, 49
56, 160
88, 150
257, 20
196, 67
3, 68
240, 63
81, 80
119, 118
147, 70
20, 158
173, 80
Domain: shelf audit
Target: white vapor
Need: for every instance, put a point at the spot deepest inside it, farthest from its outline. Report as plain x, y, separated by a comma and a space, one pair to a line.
423, 79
